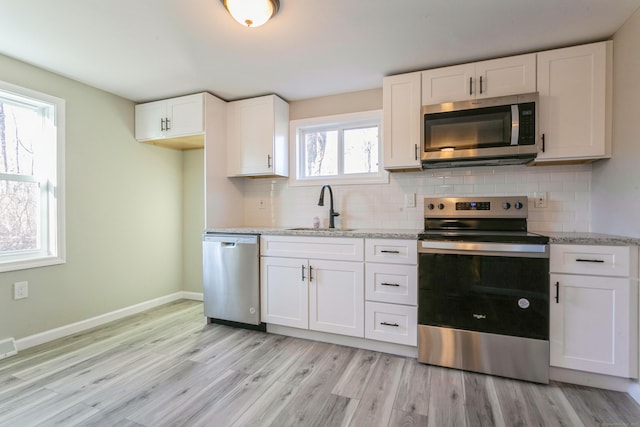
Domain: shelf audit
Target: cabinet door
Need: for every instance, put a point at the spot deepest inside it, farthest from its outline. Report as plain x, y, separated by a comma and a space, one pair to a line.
575, 102
149, 120
186, 115
336, 297
448, 84
284, 292
590, 324
513, 75
402, 121
251, 138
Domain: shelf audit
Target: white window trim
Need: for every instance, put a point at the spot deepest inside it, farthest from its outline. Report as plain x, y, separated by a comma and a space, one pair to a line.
382, 177
59, 257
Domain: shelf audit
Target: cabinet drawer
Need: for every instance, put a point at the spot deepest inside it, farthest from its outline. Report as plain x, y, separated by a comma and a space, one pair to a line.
591, 260
392, 251
337, 248
396, 284
392, 323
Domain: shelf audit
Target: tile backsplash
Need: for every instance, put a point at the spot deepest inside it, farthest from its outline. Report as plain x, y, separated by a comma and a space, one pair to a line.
273, 203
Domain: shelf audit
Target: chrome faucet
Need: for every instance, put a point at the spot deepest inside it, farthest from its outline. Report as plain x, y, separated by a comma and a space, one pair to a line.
332, 213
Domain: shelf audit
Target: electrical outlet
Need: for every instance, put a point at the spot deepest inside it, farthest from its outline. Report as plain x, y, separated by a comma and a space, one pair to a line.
540, 199
20, 290
410, 200
261, 204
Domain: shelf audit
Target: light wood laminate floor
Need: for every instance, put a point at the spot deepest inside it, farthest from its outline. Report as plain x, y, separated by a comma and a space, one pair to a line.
167, 367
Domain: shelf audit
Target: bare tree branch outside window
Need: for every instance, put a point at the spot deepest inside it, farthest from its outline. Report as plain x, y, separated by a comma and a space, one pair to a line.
19, 199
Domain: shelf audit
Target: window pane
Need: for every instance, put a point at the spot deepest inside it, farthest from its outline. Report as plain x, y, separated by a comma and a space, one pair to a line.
19, 215
320, 153
20, 126
361, 150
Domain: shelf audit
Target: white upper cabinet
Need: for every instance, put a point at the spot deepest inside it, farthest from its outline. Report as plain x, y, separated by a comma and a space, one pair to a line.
173, 118
258, 137
401, 121
496, 77
575, 102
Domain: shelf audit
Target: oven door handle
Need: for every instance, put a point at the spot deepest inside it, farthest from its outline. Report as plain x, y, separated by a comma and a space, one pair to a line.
485, 248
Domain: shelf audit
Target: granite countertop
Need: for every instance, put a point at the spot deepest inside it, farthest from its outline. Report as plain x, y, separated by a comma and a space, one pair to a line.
591, 239
323, 232
554, 237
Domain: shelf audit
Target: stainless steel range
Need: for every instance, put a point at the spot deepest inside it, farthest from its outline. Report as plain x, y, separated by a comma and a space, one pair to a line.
483, 297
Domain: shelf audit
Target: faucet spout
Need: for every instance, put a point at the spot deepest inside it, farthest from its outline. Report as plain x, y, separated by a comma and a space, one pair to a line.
332, 213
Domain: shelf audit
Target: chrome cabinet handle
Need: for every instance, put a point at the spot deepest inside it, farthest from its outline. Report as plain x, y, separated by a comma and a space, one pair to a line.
310, 274
162, 125
269, 161
167, 121
303, 276
384, 251
390, 284
395, 325
589, 260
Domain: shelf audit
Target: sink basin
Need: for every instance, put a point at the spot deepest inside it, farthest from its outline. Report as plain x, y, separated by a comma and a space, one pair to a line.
318, 229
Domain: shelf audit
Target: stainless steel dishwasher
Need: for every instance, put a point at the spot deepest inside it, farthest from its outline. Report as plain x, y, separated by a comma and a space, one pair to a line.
231, 265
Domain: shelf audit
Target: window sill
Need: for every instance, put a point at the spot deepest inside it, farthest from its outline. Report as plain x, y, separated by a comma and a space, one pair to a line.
30, 263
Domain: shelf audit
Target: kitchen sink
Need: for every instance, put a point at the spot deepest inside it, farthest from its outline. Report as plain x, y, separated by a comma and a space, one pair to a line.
318, 229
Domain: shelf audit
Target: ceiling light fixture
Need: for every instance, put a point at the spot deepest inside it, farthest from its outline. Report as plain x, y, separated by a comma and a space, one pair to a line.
251, 13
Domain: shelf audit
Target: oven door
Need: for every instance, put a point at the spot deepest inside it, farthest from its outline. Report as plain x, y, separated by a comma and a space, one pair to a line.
499, 288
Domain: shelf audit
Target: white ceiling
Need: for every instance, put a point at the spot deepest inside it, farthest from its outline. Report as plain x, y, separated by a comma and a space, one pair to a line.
151, 49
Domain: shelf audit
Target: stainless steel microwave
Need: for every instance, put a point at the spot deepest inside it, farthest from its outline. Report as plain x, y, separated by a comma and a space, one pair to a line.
490, 131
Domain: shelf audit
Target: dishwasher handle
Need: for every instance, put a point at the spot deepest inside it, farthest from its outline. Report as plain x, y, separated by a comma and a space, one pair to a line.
227, 240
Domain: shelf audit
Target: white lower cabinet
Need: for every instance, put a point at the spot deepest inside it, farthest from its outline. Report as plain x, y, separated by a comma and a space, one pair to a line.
284, 294
312, 293
336, 297
391, 322
391, 291
593, 316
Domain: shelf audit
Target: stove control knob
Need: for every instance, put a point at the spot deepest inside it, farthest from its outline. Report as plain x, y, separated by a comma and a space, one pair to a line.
430, 206
440, 206
519, 205
506, 205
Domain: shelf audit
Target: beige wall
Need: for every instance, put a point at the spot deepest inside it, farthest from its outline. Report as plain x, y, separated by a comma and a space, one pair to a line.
615, 195
352, 102
123, 214
193, 219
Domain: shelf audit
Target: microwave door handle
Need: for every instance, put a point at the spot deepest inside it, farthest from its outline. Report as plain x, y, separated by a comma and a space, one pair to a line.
515, 124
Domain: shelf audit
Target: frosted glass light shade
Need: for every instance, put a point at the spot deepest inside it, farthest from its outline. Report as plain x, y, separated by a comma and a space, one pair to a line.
251, 13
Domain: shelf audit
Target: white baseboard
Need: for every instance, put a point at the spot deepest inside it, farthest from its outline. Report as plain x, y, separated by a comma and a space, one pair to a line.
83, 325
381, 346
634, 391
7, 348
196, 296
589, 379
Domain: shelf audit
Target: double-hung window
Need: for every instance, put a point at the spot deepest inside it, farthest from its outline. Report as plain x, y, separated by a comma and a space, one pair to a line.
31, 177
338, 149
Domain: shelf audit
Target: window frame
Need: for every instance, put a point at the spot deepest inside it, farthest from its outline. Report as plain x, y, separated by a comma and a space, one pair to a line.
52, 215
338, 122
